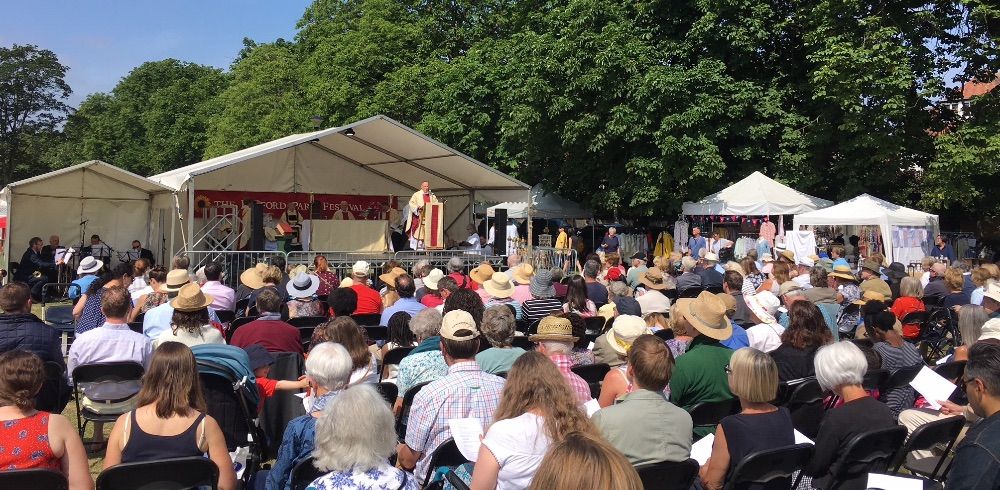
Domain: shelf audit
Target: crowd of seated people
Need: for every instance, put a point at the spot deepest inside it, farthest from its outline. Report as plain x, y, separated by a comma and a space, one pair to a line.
538, 415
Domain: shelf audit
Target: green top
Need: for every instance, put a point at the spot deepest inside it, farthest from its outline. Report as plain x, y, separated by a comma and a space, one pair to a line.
646, 428
632, 278
700, 376
495, 360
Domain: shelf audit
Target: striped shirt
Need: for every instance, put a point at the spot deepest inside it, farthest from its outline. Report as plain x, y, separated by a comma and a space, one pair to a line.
894, 358
538, 308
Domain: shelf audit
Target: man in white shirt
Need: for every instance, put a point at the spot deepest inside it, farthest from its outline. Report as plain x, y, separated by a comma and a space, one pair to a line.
804, 266
765, 335
222, 295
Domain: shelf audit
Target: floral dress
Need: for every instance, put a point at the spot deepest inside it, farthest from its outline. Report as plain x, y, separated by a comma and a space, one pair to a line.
382, 477
24, 444
305, 307
328, 281
848, 318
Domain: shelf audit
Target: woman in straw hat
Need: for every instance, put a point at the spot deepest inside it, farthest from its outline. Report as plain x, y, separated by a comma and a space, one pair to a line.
848, 292
302, 290
576, 298
500, 291
260, 277
625, 330
190, 324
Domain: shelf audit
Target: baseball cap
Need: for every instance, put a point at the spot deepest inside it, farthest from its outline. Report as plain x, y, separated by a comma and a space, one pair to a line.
360, 268
456, 320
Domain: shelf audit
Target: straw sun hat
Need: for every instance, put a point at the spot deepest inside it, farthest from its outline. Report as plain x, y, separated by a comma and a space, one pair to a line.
191, 298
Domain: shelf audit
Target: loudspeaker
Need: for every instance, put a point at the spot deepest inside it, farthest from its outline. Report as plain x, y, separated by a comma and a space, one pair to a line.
500, 232
256, 226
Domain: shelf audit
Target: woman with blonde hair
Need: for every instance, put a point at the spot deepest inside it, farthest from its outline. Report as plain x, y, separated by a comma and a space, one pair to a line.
957, 296
170, 421
910, 300
684, 333
537, 409
753, 378
981, 278
583, 460
970, 326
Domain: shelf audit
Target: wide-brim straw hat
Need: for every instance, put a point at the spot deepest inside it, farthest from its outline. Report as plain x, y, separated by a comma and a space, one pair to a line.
554, 328
541, 284
302, 286
843, 272
869, 295
482, 273
176, 280
253, 277
499, 286
523, 274
653, 279
624, 331
191, 298
788, 255
432, 279
389, 278
764, 305
346, 282
707, 314
871, 265
89, 265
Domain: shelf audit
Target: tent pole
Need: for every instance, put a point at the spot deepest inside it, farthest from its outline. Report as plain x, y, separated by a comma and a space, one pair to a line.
530, 227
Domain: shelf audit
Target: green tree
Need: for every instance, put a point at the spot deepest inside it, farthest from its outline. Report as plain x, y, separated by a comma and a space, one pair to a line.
32, 103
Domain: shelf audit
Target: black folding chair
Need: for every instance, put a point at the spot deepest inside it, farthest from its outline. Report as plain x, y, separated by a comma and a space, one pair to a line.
899, 379
445, 455
404, 411
714, 289
951, 370
368, 319
875, 379
389, 391
237, 323
939, 432
939, 334
304, 473
522, 342
376, 333
593, 374
225, 316
709, 414
105, 382
765, 466
307, 321
664, 334
594, 323
522, 326
671, 294
806, 406
55, 392
33, 478
164, 474
241, 307
668, 475
691, 292
869, 452
392, 358
135, 326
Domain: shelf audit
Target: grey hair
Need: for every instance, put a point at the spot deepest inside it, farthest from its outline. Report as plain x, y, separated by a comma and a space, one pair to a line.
818, 277
970, 323
419, 268
513, 260
619, 289
329, 365
498, 325
557, 274
554, 347
911, 286
688, 263
354, 431
795, 292
455, 264
591, 268
840, 364
426, 323
958, 264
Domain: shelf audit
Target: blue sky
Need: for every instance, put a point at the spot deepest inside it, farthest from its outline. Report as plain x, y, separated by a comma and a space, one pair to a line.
102, 40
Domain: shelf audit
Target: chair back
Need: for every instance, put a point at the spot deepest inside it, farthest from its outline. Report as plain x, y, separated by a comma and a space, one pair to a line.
591, 373
668, 475
368, 319
522, 342
671, 294
664, 334
237, 323
875, 379
375, 333
522, 326
389, 391
868, 452
107, 371
691, 292
765, 466
594, 323
225, 316
307, 321
951, 370
34, 478
404, 411
59, 315
165, 474
241, 307
805, 403
915, 317
714, 289
135, 326
304, 473
709, 414
944, 432
393, 358
447, 454
902, 377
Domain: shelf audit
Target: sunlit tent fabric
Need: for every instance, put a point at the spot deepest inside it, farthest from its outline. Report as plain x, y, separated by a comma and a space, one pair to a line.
375, 156
892, 220
116, 204
543, 205
755, 195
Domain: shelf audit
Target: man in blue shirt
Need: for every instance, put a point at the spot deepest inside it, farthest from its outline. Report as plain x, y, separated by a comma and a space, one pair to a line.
407, 303
696, 243
942, 249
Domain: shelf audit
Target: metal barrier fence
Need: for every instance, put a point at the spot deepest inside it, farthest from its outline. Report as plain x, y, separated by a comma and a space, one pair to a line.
233, 262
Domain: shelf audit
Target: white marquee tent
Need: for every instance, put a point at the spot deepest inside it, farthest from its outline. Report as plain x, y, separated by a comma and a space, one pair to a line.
755, 195
543, 205
116, 204
375, 156
898, 225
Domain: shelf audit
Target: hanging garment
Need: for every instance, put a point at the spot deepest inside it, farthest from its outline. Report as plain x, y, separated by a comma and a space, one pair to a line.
664, 244
801, 243
767, 232
680, 235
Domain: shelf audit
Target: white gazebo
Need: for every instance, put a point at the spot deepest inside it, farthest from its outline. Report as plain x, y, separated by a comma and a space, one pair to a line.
755, 195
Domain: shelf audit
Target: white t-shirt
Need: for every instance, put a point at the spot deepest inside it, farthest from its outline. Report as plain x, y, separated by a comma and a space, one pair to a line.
765, 337
518, 444
803, 281
368, 374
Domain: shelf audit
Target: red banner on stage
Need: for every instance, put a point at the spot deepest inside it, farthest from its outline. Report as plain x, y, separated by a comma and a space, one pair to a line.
276, 204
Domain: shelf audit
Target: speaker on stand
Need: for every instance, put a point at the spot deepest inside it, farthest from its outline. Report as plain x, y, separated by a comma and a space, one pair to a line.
500, 232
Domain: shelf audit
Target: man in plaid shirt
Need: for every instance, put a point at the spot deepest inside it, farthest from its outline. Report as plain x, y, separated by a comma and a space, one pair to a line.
555, 339
466, 391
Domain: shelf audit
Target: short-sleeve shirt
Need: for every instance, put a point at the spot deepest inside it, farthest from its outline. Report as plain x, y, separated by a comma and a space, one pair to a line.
466, 391
420, 368
518, 444
266, 387
369, 301
496, 360
700, 375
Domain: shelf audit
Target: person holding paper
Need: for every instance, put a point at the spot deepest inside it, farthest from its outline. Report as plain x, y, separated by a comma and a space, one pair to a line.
976, 465
840, 367
643, 425
753, 377
536, 409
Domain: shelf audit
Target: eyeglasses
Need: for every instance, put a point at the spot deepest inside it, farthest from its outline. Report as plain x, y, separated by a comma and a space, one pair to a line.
728, 369
965, 382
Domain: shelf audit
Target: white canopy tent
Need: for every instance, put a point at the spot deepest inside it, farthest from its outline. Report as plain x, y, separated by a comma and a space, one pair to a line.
375, 156
755, 195
102, 199
906, 233
543, 205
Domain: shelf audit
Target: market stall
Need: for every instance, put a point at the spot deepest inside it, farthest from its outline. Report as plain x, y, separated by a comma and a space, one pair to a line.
900, 233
